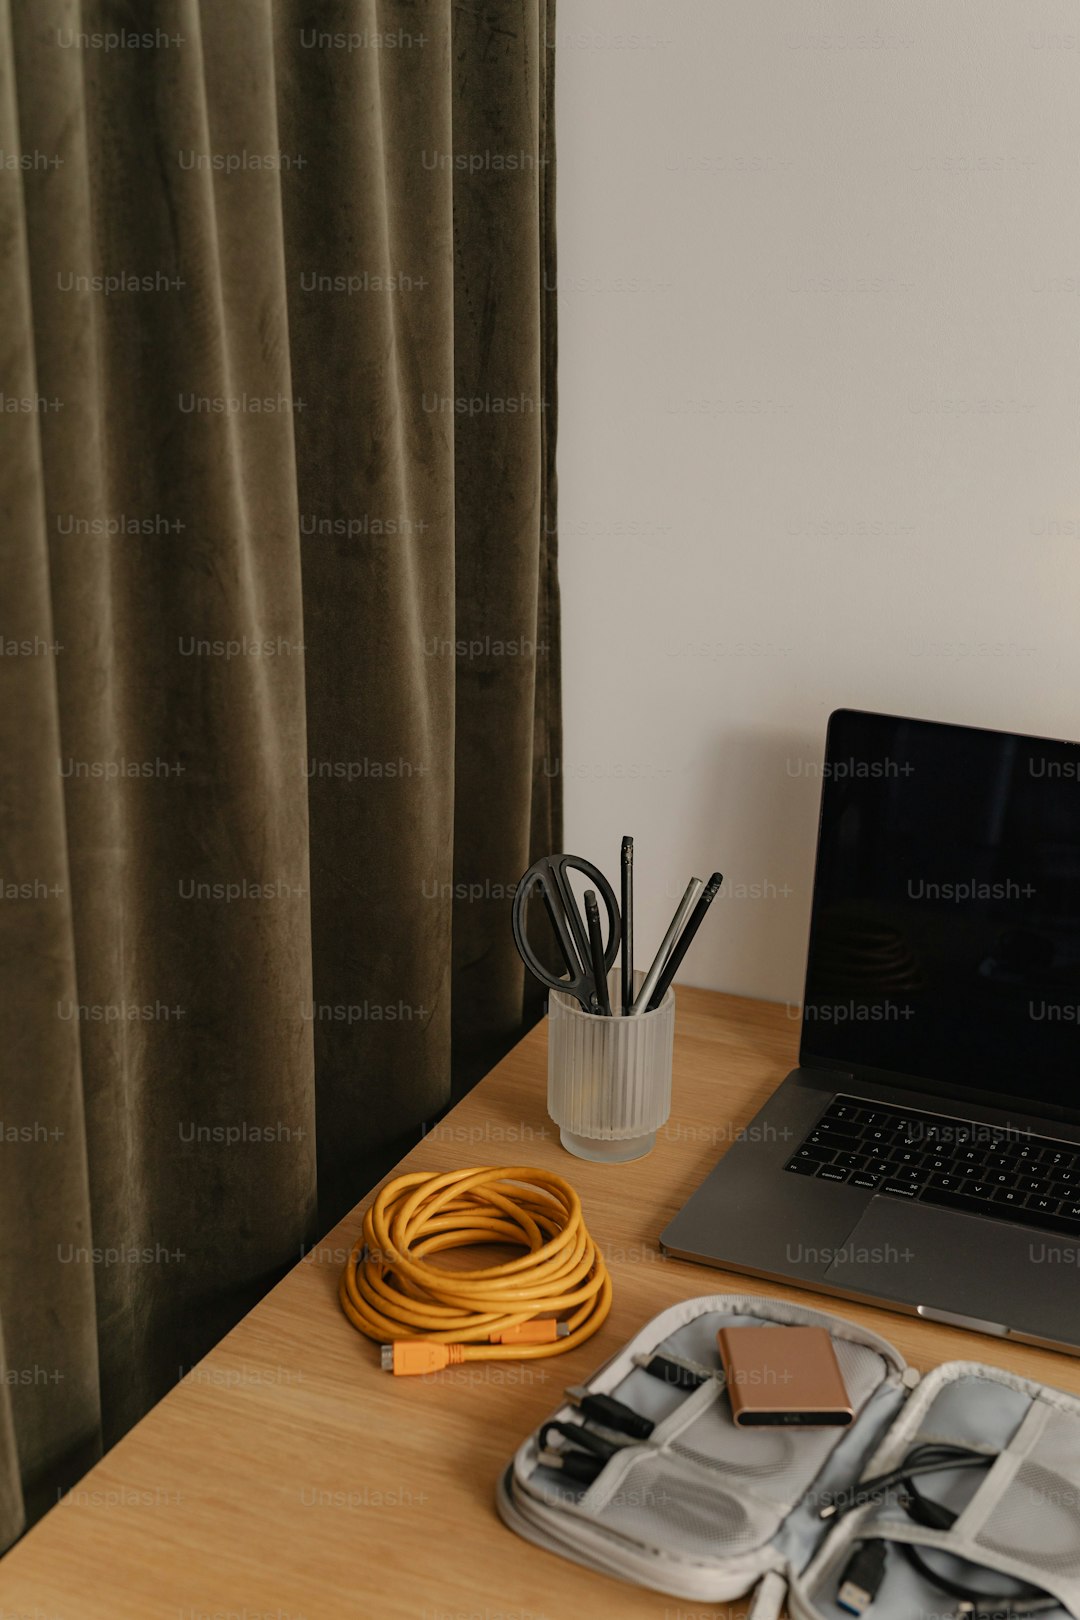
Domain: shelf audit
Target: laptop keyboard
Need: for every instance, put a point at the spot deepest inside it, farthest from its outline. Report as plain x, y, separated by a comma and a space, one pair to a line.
957, 1164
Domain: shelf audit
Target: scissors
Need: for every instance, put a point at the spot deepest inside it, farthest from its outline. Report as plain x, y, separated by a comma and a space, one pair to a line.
548, 878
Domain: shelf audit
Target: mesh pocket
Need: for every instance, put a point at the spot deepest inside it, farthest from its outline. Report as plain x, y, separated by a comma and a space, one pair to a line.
718, 1443
658, 1505
1037, 1521
975, 1411
905, 1591
776, 1463
1058, 1448
1037, 1518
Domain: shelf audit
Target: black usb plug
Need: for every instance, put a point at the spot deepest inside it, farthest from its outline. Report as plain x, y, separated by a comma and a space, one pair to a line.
580, 1466
685, 1375
862, 1577
612, 1413
578, 1435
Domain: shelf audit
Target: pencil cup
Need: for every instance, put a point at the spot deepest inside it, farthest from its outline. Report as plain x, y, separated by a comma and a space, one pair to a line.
609, 1079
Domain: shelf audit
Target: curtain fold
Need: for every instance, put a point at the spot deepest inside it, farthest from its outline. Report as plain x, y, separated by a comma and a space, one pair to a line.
278, 646
507, 598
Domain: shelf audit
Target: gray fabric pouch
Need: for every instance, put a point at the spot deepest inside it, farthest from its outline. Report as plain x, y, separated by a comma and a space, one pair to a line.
708, 1511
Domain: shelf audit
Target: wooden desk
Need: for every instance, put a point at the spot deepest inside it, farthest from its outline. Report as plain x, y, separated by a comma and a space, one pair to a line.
287, 1476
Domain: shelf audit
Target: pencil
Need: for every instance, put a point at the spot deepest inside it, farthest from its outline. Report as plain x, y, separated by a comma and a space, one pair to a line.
596, 944
627, 925
684, 941
675, 927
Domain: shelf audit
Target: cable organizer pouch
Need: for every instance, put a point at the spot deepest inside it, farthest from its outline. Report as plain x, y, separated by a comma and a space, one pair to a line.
706, 1510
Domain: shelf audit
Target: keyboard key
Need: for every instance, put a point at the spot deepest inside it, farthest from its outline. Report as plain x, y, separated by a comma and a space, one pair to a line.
1013, 1214
817, 1155
992, 1171
834, 1139
959, 1200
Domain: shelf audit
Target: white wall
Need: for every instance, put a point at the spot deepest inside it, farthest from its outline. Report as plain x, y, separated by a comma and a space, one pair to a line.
819, 404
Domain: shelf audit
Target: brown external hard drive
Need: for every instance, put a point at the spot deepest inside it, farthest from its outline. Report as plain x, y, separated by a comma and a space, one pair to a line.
783, 1375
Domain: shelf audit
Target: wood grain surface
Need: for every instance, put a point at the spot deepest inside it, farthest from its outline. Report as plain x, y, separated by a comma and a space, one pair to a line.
288, 1477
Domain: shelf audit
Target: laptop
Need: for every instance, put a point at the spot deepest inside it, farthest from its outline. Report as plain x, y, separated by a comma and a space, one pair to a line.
925, 1154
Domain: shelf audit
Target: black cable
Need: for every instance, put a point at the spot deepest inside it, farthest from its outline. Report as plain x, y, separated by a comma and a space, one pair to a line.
579, 1435
1001, 1604
924, 1510
612, 1413
933, 1457
865, 1569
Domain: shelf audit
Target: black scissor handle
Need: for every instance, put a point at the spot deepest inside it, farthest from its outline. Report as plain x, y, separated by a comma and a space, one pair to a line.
547, 877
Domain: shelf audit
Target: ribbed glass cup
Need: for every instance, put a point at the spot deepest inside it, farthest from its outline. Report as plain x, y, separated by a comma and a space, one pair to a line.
609, 1079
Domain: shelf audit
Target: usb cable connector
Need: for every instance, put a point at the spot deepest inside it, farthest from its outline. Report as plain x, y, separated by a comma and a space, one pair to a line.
614, 1414
676, 1371
580, 1466
411, 1358
862, 1577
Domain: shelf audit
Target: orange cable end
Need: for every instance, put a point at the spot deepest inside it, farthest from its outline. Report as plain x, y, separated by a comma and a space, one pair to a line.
409, 1358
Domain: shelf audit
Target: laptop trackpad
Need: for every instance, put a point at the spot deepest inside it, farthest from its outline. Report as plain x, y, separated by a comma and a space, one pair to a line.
1013, 1276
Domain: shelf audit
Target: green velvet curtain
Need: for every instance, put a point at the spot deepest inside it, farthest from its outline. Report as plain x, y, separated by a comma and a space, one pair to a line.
278, 645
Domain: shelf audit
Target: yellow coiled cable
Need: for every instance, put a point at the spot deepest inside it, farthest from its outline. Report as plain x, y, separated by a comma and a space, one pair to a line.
429, 1316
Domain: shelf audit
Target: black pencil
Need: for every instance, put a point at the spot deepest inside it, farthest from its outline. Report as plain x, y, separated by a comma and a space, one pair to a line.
685, 940
596, 946
627, 925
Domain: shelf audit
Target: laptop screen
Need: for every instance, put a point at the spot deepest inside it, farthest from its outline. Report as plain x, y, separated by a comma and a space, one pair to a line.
945, 929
